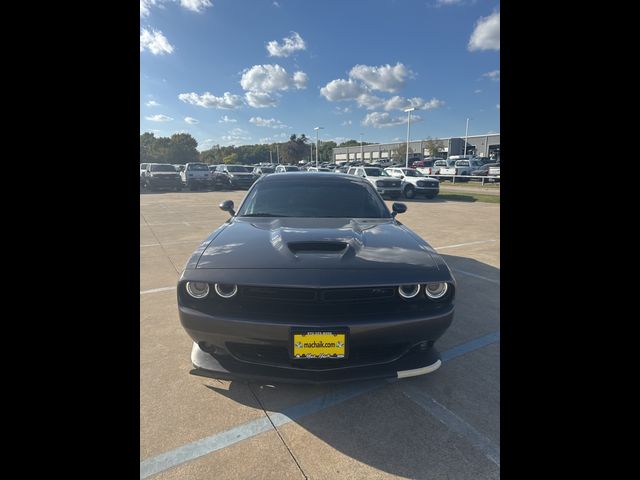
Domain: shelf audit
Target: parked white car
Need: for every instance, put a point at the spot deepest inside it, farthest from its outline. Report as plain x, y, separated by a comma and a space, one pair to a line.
286, 168
381, 180
439, 165
415, 183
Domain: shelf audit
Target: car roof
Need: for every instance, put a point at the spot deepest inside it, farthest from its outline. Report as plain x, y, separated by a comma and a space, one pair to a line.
328, 176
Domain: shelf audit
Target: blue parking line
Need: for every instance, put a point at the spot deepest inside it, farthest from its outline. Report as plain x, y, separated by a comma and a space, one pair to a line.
204, 446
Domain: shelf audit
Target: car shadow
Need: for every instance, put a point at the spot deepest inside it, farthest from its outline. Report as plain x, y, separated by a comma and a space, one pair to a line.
373, 422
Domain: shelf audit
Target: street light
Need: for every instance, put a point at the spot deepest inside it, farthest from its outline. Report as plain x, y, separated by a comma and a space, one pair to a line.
361, 153
408, 110
317, 131
466, 132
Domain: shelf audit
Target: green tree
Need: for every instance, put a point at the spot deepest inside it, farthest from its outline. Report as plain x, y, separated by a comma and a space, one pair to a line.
434, 147
229, 159
353, 143
147, 143
182, 149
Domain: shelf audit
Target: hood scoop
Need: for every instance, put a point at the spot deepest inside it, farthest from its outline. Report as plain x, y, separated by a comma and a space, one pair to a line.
317, 247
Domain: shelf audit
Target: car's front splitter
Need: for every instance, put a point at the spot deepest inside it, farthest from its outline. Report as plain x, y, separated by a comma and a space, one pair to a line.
416, 362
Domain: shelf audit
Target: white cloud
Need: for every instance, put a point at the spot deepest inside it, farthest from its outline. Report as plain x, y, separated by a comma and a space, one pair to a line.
493, 75
289, 45
300, 79
236, 135
346, 123
384, 119
265, 140
208, 100
155, 42
370, 102
145, 7
340, 111
486, 35
267, 122
260, 99
196, 5
281, 135
191, 120
384, 78
226, 119
271, 78
477, 91
339, 89
152, 103
159, 118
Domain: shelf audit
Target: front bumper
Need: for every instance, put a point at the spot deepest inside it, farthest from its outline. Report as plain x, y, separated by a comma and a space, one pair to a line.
428, 190
228, 347
164, 183
389, 190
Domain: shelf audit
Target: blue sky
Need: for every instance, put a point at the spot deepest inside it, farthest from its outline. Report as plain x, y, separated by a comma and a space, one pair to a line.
255, 71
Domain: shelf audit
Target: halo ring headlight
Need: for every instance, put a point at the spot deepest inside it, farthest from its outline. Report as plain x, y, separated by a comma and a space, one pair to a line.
226, 290
197, 289
409, 291
436, 290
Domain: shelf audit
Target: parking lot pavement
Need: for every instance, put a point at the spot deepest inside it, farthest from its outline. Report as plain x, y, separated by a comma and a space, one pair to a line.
442, 425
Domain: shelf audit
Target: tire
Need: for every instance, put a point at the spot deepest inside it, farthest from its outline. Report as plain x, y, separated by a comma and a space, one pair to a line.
190, 186
429, 197
409, 192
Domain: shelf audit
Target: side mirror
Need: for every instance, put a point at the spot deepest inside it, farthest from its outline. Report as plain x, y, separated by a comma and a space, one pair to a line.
227, 206
398, 208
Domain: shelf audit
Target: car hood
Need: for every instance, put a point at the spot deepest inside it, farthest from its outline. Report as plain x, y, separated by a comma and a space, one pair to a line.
316, 243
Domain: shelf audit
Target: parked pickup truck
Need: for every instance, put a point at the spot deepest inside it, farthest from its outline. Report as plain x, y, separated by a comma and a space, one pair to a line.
463, 166
440, 165
381, 180
195, 175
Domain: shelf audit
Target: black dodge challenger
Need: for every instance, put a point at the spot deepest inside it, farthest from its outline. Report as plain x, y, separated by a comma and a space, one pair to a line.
312, 279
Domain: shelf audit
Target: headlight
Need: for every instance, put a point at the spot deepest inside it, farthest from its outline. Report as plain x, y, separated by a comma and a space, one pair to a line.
408, 291
436, 290
226, 290
198, 289
378, 183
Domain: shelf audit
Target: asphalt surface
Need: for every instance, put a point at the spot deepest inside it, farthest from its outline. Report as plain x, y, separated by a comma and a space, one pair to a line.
442, 425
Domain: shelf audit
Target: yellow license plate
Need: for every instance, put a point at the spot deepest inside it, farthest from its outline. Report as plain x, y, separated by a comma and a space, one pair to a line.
319, 345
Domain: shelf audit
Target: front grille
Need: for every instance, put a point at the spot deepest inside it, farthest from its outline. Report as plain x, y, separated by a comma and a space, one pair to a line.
387, 183
279, 355
311, 305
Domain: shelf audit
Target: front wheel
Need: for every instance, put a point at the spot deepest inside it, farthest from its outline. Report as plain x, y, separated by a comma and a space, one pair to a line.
409, 191
429, 197
394, 195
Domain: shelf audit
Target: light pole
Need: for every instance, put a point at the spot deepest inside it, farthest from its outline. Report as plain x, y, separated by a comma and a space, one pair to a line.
317, 129
270, 157
361, 151
466, 132
311, 158
277, 154
408, 110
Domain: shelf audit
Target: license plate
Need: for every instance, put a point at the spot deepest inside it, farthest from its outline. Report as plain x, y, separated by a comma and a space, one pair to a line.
319, 344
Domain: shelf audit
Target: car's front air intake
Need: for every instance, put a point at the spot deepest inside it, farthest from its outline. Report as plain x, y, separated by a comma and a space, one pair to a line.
311, 247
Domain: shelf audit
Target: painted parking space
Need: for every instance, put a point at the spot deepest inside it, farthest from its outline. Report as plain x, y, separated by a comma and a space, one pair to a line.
445, 423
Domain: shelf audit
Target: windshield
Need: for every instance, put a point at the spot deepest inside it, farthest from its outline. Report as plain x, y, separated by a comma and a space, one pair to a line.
462, 163
349, 199
198, 166
412, 173
236, 168
441, 163
376, 172
163, 168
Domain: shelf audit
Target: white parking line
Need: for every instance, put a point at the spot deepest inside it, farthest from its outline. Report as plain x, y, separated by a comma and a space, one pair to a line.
155, 290
453, 422
497, 282
464, 244
195, 242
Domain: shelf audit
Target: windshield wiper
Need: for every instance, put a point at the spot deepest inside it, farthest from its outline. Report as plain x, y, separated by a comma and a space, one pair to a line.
262, 215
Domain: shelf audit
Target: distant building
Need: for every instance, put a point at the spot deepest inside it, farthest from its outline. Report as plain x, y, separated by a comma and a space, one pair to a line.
487, 145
